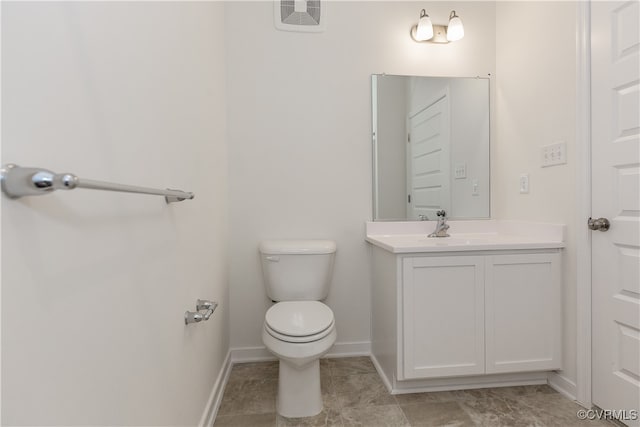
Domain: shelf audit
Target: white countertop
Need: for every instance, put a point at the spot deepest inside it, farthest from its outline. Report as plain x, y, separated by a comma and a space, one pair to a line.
475, 235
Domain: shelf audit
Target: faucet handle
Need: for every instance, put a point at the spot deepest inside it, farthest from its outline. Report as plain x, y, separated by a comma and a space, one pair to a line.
441, 213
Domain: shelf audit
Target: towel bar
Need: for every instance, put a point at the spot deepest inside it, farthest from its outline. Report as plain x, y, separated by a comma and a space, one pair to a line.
26, 181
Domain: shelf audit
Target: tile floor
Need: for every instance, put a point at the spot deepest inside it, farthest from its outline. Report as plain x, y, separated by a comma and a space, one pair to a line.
354, 395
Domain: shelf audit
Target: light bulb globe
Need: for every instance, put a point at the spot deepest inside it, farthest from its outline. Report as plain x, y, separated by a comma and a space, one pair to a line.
455, 30
424, 30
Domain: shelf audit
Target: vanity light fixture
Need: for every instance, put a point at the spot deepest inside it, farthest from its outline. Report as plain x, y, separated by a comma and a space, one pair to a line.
425, 31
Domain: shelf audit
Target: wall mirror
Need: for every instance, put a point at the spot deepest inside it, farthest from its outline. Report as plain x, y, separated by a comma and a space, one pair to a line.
430, 147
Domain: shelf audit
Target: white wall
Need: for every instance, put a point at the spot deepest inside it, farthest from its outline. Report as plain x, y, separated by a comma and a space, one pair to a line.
95, 284
299, 135
536, 104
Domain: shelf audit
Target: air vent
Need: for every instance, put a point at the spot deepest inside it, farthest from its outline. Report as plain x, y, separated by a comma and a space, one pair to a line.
300, 15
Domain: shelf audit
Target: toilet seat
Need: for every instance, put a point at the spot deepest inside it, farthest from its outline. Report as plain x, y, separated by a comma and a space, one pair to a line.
303, 339
299, 321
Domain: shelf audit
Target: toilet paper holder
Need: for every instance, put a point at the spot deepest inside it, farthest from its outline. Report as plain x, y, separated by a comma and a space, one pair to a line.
201, 305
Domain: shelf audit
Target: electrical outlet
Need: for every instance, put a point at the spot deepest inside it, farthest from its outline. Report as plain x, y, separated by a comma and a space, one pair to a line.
524, 183
553, 154
474, 187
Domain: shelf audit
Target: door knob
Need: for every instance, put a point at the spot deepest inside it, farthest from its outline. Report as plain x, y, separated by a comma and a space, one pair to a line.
600, 224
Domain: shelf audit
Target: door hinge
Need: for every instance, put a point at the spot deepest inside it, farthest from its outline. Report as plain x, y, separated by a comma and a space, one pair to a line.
409, 138
408, 198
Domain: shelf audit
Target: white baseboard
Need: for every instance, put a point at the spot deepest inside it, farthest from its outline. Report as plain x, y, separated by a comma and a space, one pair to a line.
563, 385
215, 397
261, 354
350, 349
381, 373
459, 383
468, 383
251, 354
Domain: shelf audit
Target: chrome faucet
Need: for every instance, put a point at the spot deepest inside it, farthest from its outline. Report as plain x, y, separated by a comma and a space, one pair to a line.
441, 226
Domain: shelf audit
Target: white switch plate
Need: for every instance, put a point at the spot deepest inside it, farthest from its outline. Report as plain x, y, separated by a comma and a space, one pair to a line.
460, 171
524, 183
553, 154
474, 187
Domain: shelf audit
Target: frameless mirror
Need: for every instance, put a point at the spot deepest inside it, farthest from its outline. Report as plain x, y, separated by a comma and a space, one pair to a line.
430, 147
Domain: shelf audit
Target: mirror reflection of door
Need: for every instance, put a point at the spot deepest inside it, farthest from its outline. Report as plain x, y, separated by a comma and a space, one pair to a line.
428, 163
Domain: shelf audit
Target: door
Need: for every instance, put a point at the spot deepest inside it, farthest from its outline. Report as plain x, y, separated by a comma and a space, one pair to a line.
522, 314
615, 59
442, 317
429, 164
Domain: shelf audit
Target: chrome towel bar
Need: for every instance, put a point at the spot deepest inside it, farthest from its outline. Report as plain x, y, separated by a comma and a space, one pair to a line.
22, 181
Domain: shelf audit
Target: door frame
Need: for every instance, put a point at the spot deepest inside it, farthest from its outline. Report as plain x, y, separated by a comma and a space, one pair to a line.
583, 211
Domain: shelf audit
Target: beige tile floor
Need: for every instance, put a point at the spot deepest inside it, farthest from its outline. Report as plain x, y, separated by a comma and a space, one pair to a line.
354, 395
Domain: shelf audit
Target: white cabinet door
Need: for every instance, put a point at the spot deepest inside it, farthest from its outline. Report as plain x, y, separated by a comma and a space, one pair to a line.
523, 309
442, 317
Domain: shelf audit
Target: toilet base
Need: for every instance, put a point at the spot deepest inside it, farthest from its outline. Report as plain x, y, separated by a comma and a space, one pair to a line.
299, 392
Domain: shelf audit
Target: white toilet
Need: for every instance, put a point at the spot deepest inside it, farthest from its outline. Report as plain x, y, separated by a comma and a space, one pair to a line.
298, 329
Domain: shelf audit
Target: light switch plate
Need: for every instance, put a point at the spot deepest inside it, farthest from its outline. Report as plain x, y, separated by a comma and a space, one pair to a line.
460, 171
553, 154
524, 183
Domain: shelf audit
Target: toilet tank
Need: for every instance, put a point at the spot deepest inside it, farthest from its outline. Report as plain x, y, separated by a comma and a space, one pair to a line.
297, 270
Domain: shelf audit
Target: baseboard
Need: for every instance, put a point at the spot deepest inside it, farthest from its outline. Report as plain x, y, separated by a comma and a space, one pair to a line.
250, 354
468, 383
563, 385
261, 354
460, 383
215, 397
381, 373
350, 349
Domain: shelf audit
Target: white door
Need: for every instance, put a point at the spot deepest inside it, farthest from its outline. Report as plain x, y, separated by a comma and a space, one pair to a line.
615, 67
428, 180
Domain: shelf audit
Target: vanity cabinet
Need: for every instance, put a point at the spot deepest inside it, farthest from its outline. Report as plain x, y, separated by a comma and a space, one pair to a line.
487, 313
480, 308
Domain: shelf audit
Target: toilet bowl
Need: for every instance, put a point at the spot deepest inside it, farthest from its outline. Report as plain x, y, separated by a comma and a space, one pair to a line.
298, 328
299, 333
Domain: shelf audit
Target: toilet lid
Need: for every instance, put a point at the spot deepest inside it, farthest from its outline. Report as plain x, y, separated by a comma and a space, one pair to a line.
299, 318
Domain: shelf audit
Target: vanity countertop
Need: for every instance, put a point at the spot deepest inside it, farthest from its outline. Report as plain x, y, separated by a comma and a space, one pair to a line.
475, 235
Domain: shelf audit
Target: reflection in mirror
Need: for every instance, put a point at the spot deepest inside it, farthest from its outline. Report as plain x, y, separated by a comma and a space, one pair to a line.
431, 147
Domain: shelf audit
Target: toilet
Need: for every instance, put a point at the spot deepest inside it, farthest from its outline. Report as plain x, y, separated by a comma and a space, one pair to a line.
298, 328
